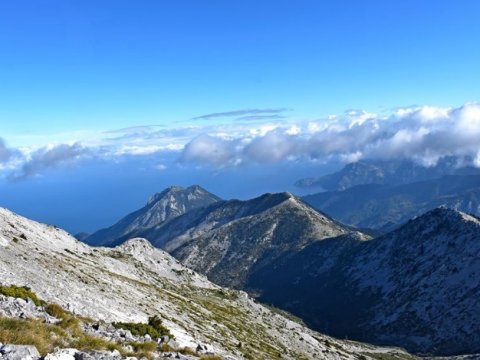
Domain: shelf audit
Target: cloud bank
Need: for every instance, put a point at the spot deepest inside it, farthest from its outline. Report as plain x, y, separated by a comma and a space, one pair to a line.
421, 133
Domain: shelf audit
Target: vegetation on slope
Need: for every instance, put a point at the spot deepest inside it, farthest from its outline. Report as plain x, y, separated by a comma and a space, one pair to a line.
67, 333
21, 292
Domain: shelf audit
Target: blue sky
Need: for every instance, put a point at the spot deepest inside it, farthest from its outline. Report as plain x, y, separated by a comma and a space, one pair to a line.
77, 65
88, 85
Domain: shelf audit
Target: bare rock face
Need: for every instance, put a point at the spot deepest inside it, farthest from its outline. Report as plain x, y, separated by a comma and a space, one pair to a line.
20, 308
63, 354
19, 352
134, 281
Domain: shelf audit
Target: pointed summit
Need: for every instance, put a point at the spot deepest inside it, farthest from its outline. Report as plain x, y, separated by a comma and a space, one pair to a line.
168, 191
161, 207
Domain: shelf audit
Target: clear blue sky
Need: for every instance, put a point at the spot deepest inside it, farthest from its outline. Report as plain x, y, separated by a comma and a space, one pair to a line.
75, 65
72, 69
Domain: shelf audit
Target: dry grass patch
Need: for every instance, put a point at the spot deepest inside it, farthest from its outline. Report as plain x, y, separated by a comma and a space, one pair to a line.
31, 332
211, 357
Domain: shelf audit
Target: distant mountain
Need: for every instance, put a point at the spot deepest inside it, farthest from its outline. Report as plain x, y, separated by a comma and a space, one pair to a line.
417, 287
134, 281
391, 172
386, 207
161, 207
229, 240
231, 252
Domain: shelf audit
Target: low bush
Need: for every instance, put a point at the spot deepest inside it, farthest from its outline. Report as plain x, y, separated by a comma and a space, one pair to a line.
22, 292
155, 329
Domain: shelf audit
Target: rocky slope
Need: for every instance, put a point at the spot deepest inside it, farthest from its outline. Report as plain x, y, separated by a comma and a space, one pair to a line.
389, 172
168, 204
230, 240
417, 286
135, 280
386, 207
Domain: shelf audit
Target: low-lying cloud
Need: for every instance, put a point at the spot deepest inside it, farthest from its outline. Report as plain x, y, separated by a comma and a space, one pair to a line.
422, 134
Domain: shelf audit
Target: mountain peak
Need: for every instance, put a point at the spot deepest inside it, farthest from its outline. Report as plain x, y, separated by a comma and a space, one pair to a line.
169, 190
446, 215
279, 197
135, 243
229, 240
163, 206
175, 189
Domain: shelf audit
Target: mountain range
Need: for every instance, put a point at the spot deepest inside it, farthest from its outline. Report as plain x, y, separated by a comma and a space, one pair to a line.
229, 240
391, 172
385, 207
414, 287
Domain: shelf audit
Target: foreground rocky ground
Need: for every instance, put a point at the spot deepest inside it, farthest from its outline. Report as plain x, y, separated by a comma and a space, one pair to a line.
90, 289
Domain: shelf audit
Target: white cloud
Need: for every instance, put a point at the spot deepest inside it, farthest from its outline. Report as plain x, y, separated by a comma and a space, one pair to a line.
424, 134
206, 149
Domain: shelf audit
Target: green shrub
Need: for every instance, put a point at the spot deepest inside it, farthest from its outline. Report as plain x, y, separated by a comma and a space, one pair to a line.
154, 328
22, 292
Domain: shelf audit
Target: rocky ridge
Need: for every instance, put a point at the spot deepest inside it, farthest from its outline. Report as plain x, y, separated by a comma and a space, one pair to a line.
389, 172
230, 240
134, 281
415, 287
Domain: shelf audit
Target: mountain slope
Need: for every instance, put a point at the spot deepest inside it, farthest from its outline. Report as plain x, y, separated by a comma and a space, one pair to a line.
229, 240
391, 172
135, 280
161, 207
417, 287
385, 207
